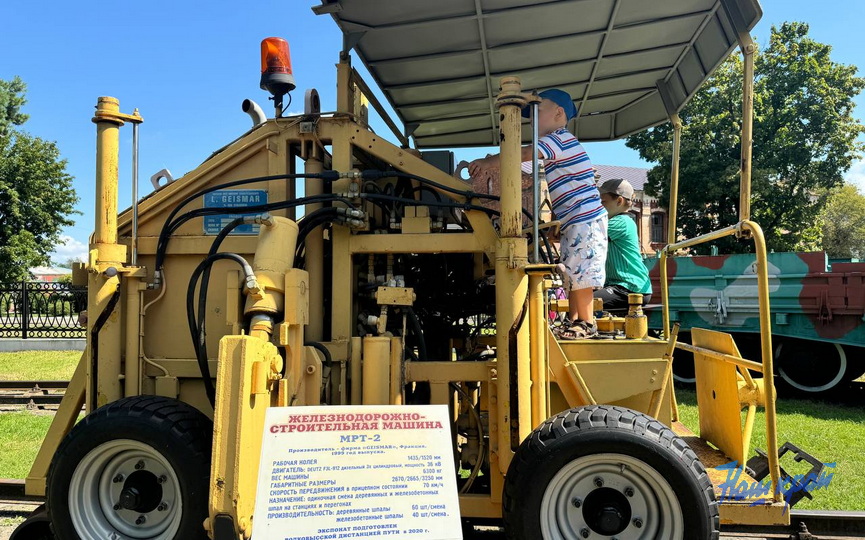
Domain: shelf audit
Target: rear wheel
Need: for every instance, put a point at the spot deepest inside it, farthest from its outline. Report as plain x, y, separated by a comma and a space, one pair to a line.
810, 366
605, 471
136, 468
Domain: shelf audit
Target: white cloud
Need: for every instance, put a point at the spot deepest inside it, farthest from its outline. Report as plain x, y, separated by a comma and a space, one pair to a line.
69, 248
856, 175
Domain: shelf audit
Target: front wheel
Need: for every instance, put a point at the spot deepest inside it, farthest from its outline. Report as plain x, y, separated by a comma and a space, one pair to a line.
137, 468
606, 471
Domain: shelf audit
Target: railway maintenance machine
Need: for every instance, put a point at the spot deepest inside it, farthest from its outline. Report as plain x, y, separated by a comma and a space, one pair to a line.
402, 284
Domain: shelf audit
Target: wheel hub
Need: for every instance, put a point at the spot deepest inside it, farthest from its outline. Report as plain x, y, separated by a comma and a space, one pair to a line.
607, 511
141, 492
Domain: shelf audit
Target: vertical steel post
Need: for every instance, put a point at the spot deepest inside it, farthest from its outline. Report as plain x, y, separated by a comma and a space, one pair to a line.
674, 180
672, 210
132, 362
107, 156
538, 342
748, 49
341, 290
513, 407
536, 187
104, 279
133, 244
315, 248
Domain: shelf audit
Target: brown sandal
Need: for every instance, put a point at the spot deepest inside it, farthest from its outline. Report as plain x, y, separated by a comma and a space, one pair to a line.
577, 330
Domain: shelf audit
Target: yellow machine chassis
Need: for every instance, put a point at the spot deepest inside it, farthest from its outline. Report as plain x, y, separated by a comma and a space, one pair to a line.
140, 351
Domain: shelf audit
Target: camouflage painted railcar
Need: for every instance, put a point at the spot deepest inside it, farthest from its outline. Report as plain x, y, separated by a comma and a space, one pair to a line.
818, 311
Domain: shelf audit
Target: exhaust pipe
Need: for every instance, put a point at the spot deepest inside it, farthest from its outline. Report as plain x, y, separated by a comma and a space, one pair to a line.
254, 111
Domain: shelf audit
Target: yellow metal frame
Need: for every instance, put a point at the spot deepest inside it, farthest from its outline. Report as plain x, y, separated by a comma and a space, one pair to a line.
533, 376
745, 228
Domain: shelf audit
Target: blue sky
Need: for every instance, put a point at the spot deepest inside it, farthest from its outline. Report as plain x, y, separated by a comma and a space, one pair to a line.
188, 65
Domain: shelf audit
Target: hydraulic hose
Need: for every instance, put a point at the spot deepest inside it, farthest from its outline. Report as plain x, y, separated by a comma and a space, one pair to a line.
173, 224
205, 277
328, 359
418, 331
198, 334
94, 343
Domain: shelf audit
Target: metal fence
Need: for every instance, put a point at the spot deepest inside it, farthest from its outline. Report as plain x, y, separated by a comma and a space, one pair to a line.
35, 309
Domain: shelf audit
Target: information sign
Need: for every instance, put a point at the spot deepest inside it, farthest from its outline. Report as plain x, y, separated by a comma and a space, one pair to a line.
357, 472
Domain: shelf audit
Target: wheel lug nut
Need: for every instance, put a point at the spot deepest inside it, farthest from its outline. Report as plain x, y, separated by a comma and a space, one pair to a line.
117, 507
117, 479
629, 492
139, 465
638, 522
162, 479
141, 519
584, 532
599, 481
163, 506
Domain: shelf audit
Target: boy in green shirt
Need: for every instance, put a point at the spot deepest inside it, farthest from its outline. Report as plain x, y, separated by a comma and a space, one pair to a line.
625, 270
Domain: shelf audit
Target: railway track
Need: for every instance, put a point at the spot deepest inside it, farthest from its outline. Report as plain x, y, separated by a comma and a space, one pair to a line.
805, 524
39, 394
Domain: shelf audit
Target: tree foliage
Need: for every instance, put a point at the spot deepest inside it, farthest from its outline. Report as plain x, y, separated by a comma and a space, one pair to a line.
843, 220
804, 139
36, 193
11, 101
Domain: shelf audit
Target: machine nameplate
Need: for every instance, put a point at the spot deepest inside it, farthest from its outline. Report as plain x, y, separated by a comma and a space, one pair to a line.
233, 198
357, 472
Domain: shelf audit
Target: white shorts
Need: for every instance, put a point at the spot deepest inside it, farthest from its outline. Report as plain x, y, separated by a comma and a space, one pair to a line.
583, 249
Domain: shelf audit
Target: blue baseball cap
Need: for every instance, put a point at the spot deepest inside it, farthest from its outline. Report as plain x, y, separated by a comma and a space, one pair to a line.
560, 98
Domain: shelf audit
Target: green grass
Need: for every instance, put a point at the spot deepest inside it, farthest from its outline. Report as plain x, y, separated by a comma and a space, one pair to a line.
829, 432
21, 433
38, 365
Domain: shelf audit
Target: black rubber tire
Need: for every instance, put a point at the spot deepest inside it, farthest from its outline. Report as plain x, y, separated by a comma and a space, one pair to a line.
809, 368
598, 429
35, 527
177, 431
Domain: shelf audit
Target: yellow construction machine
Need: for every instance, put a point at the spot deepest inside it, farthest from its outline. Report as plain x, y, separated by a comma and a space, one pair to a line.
211, 301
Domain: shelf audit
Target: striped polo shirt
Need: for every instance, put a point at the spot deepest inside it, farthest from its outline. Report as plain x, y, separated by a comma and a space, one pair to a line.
570, 178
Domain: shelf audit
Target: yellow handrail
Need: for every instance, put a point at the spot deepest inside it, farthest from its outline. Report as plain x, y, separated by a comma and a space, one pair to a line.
745, 228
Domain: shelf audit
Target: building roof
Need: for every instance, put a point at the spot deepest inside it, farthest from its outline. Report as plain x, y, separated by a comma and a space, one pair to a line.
627, 64
49, 271
636, 176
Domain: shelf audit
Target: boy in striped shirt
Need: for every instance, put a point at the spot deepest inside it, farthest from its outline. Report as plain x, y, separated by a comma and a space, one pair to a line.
576, 203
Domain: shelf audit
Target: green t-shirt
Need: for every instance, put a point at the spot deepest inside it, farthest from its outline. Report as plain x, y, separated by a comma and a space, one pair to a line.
624, 262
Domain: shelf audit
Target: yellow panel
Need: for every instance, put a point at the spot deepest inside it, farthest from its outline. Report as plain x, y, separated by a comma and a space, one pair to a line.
718, 394
640, 402
614, 380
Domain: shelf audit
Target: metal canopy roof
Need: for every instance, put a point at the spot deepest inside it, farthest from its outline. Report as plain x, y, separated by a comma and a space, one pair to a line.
439, 62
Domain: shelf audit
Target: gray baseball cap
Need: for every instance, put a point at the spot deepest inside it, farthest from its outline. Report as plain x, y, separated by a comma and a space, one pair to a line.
618, 186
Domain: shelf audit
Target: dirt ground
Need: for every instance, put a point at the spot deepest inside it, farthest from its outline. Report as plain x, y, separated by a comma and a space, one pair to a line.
11, 514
